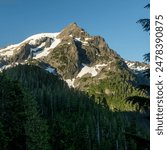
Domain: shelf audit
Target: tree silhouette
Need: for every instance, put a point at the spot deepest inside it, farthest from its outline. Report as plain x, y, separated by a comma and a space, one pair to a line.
142, 103
145, 23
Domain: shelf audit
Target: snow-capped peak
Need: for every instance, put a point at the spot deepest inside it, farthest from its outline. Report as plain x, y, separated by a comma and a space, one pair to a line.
32, 41
137, 66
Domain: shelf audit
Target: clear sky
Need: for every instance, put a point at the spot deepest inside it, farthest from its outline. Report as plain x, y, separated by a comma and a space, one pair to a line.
115, 20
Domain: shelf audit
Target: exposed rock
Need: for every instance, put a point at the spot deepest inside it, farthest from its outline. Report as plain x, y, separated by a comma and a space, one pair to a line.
68, 52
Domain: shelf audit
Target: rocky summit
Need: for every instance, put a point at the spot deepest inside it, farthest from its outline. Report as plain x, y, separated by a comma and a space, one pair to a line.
77, 57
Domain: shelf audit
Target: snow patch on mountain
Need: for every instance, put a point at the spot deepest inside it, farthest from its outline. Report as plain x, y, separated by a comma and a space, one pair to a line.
137, 67
37, 48
83, 42
8, 51
85, 70
70, 82
86, 39
46, 51
5, 67
92, 70
32, 40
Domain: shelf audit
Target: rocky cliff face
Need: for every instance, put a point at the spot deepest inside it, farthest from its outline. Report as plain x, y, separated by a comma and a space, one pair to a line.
77, 49
79, 58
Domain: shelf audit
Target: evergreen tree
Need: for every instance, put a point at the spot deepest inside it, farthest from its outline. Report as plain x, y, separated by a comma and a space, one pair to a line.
75, 119
21, 127
145, 23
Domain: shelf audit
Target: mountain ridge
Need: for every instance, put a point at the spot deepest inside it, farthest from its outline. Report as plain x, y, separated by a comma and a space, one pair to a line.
72, 53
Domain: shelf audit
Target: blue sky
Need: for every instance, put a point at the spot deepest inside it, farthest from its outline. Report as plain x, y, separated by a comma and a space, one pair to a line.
115, 20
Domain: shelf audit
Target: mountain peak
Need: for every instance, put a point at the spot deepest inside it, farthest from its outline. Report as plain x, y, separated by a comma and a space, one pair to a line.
73, 30
73, 24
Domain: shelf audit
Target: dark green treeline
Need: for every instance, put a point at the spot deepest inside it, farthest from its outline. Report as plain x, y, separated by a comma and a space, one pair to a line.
39, 111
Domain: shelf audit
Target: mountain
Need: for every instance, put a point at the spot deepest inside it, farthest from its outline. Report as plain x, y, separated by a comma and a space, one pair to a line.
85, 62
140, 69
137, 67
69, 90
68, 51
72, 52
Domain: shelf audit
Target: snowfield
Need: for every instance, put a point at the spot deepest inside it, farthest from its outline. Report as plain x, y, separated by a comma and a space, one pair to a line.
70, 82
92, 70
85, 70
32, 40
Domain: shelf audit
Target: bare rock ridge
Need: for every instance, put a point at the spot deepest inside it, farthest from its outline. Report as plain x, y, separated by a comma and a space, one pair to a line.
77, 50
72, 53
73, 30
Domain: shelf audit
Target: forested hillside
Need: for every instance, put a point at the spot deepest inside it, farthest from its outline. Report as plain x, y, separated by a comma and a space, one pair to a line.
39, 111
21, 126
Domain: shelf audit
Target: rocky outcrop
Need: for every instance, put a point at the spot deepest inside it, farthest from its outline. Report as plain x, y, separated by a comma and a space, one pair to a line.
73, 31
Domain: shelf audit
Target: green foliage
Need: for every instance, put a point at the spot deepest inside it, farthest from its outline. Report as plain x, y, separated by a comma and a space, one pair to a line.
142, 103
20, 124
4, 140
36, 129
11, 115
145, 23
75, 120
115, 89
